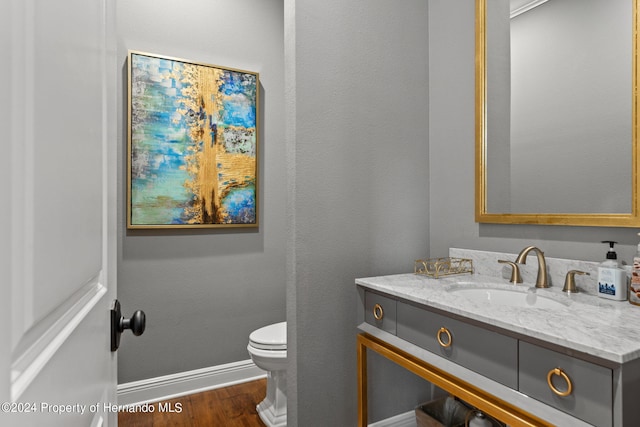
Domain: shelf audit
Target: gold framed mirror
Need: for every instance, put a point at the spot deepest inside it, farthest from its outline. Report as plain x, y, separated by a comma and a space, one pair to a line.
489, 183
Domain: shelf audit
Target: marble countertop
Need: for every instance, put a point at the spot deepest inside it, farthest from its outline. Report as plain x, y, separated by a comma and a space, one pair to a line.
603, 328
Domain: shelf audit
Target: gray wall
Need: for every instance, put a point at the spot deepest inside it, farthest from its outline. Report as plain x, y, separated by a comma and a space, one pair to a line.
357, 132
451, 154
205, 291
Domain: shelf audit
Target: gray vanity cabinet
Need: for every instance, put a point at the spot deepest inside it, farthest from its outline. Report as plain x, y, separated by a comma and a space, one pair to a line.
511, 364
590, 397
488, 353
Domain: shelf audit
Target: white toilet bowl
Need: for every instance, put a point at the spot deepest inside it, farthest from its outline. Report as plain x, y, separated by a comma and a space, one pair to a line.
268, 350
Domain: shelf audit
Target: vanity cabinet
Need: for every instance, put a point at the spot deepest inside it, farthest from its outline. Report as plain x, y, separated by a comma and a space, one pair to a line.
485, 352
578, 387
533, 384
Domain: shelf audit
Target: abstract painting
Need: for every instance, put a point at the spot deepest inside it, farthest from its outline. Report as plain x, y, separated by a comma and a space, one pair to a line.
192, 144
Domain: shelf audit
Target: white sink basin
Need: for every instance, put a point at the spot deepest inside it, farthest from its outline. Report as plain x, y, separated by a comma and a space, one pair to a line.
512, 298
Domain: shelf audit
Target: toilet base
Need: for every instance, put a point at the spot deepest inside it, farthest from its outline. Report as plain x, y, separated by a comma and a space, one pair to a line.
273, 409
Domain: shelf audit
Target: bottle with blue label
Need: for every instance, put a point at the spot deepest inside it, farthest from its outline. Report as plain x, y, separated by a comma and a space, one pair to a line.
612, 280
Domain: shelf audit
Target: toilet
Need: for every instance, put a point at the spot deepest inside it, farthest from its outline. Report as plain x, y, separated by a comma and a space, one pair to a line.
268, 350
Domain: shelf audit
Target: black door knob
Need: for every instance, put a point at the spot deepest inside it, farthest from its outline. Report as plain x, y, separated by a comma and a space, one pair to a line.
136, 323
119, 323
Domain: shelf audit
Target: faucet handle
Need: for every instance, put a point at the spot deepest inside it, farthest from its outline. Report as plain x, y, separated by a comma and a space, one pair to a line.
570, 282
515, 271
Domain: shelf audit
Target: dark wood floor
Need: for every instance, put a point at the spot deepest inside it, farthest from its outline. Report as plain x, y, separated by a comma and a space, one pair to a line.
233, 406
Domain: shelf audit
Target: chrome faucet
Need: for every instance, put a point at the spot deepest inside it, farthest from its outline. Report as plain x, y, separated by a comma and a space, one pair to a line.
542, 281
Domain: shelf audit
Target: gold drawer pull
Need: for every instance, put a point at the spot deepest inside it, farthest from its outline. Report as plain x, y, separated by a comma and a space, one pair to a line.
378, 312
559, 372
445, 331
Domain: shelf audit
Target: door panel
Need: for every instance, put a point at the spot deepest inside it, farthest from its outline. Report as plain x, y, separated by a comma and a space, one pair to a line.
59, 118
64, 143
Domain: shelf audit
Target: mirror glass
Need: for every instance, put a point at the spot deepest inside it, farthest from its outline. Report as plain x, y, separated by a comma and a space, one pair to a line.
555, 112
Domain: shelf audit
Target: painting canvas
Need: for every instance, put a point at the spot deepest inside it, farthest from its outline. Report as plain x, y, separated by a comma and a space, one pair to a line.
192, 144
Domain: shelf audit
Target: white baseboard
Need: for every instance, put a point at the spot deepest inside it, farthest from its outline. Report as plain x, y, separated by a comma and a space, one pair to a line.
408, 419
183, 383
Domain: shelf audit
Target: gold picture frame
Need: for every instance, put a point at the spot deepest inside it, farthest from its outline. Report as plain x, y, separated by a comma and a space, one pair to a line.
192, 144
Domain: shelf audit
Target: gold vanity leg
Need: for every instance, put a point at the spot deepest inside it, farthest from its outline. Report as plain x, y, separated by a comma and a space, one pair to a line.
362, 383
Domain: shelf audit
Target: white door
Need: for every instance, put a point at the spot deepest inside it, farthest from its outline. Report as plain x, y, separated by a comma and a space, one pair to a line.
58, 129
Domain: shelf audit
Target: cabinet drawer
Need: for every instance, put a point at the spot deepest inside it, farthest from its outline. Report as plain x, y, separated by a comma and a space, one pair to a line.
591, 397
485, 352
380, 311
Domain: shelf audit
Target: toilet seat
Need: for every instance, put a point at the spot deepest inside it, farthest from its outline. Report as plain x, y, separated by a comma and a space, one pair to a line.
270, 337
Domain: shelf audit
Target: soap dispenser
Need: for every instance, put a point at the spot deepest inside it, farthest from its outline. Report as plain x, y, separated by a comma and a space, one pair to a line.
612, 280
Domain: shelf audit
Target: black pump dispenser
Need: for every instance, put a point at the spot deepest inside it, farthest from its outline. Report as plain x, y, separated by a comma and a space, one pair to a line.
611, 254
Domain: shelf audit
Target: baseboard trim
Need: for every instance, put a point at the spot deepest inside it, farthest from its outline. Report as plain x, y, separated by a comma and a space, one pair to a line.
183, 383
408, 419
